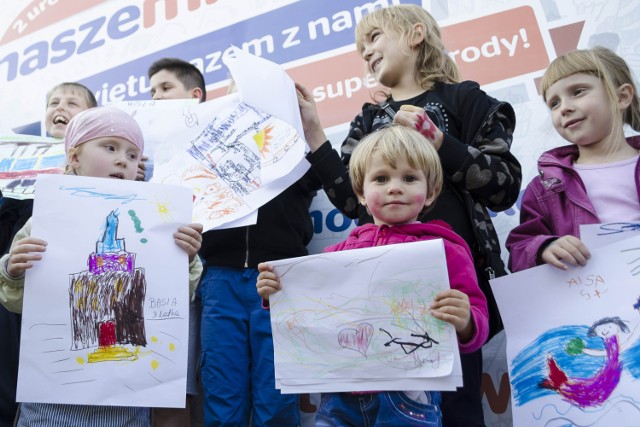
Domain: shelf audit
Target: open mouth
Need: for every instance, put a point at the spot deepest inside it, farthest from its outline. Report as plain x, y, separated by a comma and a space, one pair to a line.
374, 64
60, 120
117, 175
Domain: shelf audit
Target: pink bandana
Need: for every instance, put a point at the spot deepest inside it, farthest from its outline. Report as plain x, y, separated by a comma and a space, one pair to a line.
102, 122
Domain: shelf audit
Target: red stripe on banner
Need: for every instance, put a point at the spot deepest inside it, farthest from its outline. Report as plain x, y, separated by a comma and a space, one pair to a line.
42, 13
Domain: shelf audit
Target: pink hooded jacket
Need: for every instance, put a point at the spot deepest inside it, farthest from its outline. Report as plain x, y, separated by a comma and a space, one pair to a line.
462, 275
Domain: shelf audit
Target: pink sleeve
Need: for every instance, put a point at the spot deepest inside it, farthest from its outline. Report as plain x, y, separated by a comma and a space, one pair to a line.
462, 277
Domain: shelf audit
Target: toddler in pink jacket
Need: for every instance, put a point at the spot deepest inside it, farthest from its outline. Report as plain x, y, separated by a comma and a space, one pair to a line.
396, 174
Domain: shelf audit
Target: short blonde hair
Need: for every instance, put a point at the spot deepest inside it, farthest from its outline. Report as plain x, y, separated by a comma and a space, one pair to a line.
390, 143
433, 63
604, 64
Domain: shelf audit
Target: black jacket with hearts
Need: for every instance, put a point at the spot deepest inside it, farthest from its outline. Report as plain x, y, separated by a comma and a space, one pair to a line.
481, 173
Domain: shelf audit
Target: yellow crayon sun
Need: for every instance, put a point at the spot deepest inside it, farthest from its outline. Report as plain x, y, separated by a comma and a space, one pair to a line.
262, 139
164, 210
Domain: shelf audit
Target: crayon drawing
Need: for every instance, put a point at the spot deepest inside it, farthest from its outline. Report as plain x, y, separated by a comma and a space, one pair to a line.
22, 157
362, 314
574, 347
235, 152
105, 311
107, 300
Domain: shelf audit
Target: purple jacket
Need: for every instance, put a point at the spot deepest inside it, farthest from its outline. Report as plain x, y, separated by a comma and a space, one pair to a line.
462, 274
554, 204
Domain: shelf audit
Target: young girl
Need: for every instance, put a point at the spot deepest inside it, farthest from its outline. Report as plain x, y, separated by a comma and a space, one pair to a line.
591, 95
472, 132
396, 175
102, 142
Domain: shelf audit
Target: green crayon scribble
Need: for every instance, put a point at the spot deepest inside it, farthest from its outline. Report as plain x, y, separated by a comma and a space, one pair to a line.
136, 221
138, 224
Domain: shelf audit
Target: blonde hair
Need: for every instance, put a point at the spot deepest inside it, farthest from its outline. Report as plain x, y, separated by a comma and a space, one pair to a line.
393, 142
607, 66
88, 96
433, 64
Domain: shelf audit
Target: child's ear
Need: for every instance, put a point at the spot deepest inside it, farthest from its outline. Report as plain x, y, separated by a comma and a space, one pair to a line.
196, 93
625, 96
418, 35
431, 197
72, 158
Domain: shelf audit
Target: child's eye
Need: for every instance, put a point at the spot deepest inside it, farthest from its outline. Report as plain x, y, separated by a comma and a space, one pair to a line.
110, 147
553, 103
380, 179
410, 178
578, 91
133, 156
374, 35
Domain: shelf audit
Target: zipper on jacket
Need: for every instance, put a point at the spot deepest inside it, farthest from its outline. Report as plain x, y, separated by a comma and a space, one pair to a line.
246, 242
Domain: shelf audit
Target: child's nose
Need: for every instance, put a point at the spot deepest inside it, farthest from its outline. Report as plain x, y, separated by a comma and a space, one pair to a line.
395, 187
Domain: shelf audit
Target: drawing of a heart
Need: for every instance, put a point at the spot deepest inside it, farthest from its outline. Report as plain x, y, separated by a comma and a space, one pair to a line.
356, 339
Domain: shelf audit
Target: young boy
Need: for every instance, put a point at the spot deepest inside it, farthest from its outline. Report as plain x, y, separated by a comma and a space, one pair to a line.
63, 102
173, 78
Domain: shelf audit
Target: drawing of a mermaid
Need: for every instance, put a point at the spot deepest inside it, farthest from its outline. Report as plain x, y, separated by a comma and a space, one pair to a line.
593, 391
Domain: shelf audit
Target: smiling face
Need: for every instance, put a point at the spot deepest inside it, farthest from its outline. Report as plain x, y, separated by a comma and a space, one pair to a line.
165, 85
63, 104
389, 59
394, 195
105, 157
606, 330
581, 111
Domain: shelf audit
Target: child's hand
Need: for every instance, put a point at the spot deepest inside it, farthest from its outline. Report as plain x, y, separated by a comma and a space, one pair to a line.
453, 307
189, 238
416, 118
566, 249
141, 168
267, 282
23, 253
313, 131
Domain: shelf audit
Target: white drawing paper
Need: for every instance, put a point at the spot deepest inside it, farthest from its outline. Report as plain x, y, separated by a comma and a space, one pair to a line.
236, 152
358, 320
105, 316
573, 339
596, 235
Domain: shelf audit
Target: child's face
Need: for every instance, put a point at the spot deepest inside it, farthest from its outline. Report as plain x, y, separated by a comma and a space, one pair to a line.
165, 85
389, 60
394, 195
63, 104
580, 110
105, 157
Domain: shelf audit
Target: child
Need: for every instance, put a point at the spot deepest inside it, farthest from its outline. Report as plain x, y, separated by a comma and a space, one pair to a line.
173, 78
237, 346
472, 132
591, 95
396, 175
63, 102
102, 142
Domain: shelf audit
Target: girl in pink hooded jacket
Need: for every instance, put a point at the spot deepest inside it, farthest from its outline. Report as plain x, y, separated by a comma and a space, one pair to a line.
396, 174
591, 95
